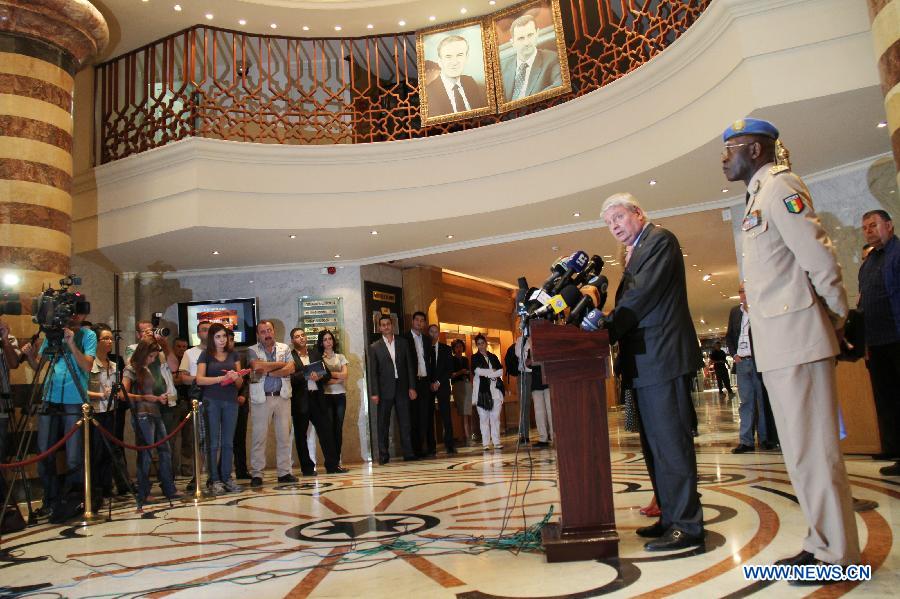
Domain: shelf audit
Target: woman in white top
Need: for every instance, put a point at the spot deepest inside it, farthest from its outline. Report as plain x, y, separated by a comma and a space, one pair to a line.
487, 392
100, 384
335, 389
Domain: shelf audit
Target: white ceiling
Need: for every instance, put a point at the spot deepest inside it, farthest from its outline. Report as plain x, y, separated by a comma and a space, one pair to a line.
151, 20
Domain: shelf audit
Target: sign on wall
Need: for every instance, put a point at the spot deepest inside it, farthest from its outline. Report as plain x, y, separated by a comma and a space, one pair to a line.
319, 313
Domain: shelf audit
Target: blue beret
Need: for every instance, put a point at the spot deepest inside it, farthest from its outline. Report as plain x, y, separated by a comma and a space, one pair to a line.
750, 127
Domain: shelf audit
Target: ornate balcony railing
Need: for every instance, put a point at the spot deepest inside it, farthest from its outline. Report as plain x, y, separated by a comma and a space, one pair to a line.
222, 84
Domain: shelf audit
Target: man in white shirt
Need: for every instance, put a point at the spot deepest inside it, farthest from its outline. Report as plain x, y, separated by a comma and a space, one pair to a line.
452, 91
270, 397
421, 411
391, 379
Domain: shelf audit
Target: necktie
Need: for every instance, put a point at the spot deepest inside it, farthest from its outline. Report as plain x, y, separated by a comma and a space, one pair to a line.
628, 250
458, 99
520, 80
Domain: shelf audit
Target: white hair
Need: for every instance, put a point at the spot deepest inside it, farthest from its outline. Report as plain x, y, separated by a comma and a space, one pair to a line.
623, 199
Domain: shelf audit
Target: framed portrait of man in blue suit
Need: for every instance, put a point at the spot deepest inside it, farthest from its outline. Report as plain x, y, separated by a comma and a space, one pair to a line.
455, 78
530, 54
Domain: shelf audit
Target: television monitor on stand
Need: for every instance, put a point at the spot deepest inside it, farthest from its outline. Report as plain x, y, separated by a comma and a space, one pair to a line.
237, 314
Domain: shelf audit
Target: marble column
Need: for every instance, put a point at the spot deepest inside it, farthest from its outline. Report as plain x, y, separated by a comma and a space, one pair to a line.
43, 43
885, 15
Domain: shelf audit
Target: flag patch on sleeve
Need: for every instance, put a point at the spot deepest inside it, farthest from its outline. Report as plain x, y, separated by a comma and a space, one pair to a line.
794, 204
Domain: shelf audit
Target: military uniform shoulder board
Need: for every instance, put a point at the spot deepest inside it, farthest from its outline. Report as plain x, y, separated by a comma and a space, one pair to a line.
794, 203
778, 169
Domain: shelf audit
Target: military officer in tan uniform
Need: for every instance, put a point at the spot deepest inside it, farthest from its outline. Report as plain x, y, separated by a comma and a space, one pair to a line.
798, 307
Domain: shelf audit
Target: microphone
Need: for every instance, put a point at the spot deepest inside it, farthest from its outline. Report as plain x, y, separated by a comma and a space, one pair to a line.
602, 284
568, 296
558, 268
594, 321
575, 264
585, 304
523, 291
594, 267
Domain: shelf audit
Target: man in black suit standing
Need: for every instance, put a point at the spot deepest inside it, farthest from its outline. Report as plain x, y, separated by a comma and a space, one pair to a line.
391, 382
440, 365
532, 69
658, 348
421, 411
452, 91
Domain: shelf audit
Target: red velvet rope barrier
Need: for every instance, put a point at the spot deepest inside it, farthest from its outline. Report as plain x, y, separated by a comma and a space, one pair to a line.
47, 453
121, 443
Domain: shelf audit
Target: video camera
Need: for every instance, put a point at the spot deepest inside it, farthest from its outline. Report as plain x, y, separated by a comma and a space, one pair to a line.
54, 308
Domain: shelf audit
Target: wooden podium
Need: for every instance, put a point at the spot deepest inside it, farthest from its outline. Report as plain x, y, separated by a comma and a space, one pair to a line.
574, 363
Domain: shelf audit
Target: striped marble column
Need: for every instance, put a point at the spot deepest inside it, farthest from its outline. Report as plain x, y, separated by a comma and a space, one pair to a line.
885, 16
43, 43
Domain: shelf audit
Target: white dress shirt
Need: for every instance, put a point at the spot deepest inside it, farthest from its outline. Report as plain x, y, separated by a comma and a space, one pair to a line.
392, 351
420, 354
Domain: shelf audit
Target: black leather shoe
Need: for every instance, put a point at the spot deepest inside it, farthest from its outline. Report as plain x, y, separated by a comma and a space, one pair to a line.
771, 446
242, 476
743, 449
256, 482
383, 460
674, 539
451, 450
654, 531
309, 473
808, 559
893, 470
288, 478
796, 560
338, 470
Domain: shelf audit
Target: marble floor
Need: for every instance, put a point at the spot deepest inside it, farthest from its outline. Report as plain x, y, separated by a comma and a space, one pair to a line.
433, 529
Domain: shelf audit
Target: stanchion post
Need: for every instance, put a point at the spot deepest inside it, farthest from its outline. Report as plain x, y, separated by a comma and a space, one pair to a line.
89, 515
199, 494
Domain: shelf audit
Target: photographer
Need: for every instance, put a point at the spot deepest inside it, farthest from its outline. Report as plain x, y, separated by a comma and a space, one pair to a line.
62, 397
10, 357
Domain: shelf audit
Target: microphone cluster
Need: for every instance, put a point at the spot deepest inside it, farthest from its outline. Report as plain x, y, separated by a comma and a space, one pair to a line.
562, 290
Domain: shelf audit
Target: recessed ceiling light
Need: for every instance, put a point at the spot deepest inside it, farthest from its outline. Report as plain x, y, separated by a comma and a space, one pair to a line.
337, 27
492, 2
694, 265
554, 248
337, 255
242, 22
450, 236
652, 181
374, 232
370, 26
607, 256
724, 190
177, 7
274, 25
144, 0
713, 284
293, 236
463, 10
702, 321
707, 277
401, 23
734, 297
251, 281
576, 214
209, 16
215, 252
432, 18
882, 124
305, 28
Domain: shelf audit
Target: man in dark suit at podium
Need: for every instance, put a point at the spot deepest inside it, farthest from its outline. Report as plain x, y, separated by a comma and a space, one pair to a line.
392, 383
658, 347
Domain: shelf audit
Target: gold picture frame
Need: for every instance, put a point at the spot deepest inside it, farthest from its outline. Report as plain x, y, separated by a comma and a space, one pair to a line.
547, 75
439, 52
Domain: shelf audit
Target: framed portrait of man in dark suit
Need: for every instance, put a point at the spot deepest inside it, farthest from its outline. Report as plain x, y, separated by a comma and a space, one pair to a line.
455, 79
529, 53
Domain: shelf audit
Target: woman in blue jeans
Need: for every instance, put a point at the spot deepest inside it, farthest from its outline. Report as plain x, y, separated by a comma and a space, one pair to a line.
218, 371
148, 387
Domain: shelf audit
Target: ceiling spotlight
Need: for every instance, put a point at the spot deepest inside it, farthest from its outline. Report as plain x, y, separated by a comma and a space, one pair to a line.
450, 236
554, 248
707, 277
492, 2
724, 190
251, 281
305, 28
607, 256
882, 124
209, 16
370, 26
177, 7
734, 297
702, 321
337, 27
374, 232
293, 236
11, 279
274, 25
463, 10
652, 182
215, 252
576, 214
337, 255
694, 265
432, 18
401, 23
242, 22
